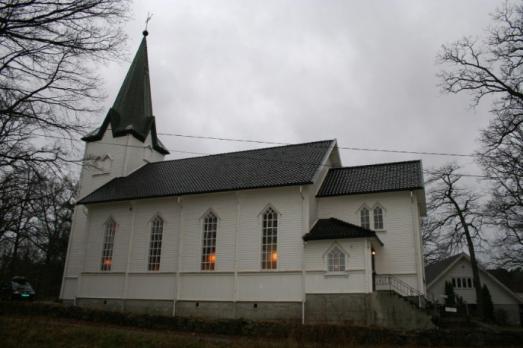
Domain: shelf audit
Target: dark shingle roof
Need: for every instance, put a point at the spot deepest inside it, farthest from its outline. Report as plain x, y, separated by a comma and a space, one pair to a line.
396, 176
512, 279
433, 270
270, 167
337, 229
132, 111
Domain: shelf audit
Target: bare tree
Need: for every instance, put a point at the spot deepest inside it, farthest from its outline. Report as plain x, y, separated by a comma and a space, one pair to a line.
455, 218
494, 67
434, 248
48, 50
35, 227
18, 193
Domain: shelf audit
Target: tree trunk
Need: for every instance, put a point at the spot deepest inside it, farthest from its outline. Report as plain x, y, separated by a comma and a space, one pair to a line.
475, 273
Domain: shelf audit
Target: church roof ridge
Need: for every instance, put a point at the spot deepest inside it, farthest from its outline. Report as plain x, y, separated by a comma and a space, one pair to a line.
328, 141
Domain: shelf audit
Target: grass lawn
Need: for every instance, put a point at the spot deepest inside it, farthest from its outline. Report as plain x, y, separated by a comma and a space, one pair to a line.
47, 332
25, 331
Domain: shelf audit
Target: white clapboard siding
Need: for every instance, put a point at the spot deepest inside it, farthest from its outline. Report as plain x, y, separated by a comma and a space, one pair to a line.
463, 269
126, 155
401, 253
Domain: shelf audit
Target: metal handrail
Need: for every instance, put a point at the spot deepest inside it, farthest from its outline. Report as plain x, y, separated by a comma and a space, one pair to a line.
391, 283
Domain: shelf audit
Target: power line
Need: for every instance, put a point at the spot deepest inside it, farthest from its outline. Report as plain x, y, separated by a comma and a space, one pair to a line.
339, 147
239, 153
283, 143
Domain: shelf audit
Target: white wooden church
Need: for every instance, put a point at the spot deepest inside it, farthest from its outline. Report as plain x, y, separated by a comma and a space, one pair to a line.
283, 232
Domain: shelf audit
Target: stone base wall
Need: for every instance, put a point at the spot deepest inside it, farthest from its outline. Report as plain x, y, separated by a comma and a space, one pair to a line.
245, 310
392, 311
336, 308
375, 309
153, 307
156, 307
200, 309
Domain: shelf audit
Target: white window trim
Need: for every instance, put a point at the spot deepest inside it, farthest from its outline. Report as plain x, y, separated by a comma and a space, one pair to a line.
202, 244
360, 211
383, 214
207, 212
106, 253
262, 212
151, 226
325, 258
260, 223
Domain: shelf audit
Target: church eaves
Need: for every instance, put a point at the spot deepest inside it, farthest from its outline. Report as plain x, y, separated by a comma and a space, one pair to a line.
132, 111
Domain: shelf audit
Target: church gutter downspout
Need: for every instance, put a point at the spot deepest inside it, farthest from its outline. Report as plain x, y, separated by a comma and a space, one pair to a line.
303, 258
415, 227
235, 261
84, 256
129, 253
67, 255
177, 287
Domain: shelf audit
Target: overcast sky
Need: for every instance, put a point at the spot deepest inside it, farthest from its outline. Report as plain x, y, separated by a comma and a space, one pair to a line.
361, 72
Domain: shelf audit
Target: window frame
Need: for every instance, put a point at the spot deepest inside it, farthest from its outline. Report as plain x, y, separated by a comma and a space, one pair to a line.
378, 219
269, 239
340, 260
366, 217
110, 227
155, 244
209, 234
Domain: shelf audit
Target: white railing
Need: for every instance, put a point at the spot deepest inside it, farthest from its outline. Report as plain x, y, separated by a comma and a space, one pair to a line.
390, 283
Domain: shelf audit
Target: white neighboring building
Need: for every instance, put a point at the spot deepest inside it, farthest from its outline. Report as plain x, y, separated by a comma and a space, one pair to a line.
458, 270
277, 233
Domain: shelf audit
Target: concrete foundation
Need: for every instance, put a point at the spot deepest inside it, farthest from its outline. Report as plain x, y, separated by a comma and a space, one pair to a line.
337, 308
153, 307
100, 303
383, 309
205, 309
290, 311
375, 309
392, 311
244, 310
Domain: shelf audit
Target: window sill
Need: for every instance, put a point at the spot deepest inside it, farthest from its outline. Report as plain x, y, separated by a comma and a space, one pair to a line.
343, 274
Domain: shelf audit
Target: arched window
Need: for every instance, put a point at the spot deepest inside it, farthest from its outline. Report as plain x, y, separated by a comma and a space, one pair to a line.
107, 250
269, 252
210, 226
378, 218
365, 220
336, 260
155, 244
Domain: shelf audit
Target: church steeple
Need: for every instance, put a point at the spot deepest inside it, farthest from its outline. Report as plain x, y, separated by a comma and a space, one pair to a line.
133, 104
132, 111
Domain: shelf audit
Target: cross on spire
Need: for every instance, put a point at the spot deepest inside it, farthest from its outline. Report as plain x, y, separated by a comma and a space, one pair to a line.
149, 16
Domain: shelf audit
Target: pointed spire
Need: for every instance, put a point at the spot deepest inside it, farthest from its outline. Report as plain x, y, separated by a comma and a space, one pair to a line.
132, 111
133, 103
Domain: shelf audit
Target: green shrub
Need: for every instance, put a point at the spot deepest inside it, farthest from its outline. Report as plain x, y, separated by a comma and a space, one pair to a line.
450, 296
488, 306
